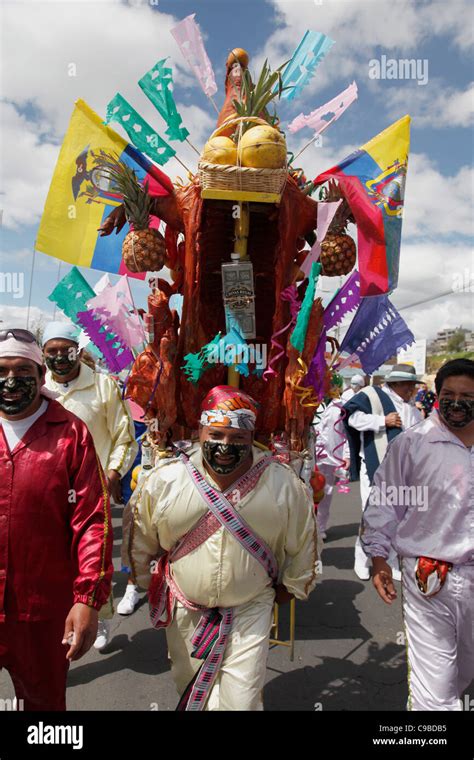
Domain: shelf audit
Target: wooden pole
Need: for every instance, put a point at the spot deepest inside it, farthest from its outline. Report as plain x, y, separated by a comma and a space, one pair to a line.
241, 228
192, 146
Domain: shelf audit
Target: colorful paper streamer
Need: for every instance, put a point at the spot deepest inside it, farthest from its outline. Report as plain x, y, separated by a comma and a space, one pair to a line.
300, 69
188, 36
157, 85
144, 137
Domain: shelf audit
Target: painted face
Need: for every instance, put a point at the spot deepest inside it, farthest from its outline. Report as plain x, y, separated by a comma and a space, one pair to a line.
60, 364
61, 357
224, 458
17, 393
457, 414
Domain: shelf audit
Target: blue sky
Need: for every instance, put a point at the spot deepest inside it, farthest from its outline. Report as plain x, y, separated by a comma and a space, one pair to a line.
114, 43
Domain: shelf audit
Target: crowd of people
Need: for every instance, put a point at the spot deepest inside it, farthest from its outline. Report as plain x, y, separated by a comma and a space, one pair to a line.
221, 530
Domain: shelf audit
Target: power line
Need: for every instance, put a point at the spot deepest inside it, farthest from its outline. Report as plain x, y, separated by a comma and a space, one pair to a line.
431, 298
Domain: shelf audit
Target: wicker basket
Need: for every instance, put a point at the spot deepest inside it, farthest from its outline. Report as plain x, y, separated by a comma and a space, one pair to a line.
225, 177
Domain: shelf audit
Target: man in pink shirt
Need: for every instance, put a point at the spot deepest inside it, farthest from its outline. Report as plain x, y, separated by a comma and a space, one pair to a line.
422, 504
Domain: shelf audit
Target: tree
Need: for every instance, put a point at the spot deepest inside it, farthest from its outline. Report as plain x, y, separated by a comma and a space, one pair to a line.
457, 341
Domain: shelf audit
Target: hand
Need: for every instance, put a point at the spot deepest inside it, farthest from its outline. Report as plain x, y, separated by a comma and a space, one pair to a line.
282, 595
346, 465
393, 420
113, 484
80, 630
382, 579
116, 219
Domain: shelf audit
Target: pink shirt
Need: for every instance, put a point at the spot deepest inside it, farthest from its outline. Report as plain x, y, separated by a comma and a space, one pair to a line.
422, 498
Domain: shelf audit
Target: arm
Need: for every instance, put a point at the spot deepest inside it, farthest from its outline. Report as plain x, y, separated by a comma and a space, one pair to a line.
91, 547
362, 422
299, 571
122, 435
143, 541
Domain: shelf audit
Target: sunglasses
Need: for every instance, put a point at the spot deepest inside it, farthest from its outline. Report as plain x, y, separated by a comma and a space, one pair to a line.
19, 334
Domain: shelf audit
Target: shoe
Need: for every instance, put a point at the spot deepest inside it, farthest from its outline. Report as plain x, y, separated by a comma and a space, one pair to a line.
396, 575
362, 572
103, 635
127, 604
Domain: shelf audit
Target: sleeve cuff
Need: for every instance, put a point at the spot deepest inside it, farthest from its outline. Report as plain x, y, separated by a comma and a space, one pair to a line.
87, 600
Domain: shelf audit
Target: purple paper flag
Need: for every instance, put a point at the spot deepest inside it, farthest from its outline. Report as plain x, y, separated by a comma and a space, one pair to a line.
116, 354
376, 333
345, 300
322, 117
114, 306
317, 369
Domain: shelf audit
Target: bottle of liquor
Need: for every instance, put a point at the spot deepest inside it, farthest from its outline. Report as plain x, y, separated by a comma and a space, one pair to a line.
148, 456
239, 295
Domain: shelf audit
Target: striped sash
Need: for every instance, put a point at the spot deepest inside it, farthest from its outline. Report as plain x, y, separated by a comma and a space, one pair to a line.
212, 632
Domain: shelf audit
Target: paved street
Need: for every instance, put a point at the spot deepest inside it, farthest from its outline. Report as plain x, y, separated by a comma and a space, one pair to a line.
349, 645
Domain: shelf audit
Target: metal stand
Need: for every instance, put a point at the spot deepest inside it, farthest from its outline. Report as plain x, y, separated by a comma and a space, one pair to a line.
275, 625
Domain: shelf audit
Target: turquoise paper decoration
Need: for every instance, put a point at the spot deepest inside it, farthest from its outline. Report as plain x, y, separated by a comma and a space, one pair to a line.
144, 137
157, 85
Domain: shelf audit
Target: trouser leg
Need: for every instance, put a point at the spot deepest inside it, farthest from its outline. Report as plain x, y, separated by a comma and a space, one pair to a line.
178, 637
106, 612
439, 642
360, 558
36, 661
361, 561
324, 505
241, 677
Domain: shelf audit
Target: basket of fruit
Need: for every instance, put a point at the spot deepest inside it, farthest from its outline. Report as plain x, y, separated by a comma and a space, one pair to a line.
254, 161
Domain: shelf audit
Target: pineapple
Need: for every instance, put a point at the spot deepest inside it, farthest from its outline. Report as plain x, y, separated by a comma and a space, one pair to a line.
254, 99
338, 249
143, 249
262, 146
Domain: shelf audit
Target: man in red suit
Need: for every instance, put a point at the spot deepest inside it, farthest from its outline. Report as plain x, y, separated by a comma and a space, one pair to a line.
55, 530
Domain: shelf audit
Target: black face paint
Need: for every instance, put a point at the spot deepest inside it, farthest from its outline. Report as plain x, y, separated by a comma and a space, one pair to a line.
447, 408
239, 451
27, 386
53, 361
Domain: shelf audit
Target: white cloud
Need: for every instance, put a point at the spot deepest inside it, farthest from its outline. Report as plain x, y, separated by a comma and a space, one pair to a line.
362, 30
436, 204
42, 44
17, 316
56, 53
437, 107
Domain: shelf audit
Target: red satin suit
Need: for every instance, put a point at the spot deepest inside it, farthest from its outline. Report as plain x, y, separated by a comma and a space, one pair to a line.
55, 550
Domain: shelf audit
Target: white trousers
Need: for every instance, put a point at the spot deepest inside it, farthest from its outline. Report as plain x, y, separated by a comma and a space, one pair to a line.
361, 560
240, 681
440, 639
324, 505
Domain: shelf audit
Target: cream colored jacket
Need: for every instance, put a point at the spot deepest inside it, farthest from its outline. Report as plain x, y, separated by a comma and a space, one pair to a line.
220, 572
96, 399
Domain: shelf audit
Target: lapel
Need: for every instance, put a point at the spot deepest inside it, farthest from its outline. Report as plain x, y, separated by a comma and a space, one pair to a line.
53, 414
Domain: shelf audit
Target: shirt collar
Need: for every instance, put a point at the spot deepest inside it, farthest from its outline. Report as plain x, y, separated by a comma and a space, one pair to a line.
85, 379
440, 432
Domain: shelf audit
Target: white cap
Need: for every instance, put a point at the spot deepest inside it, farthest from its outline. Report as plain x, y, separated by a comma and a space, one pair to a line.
357, 380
